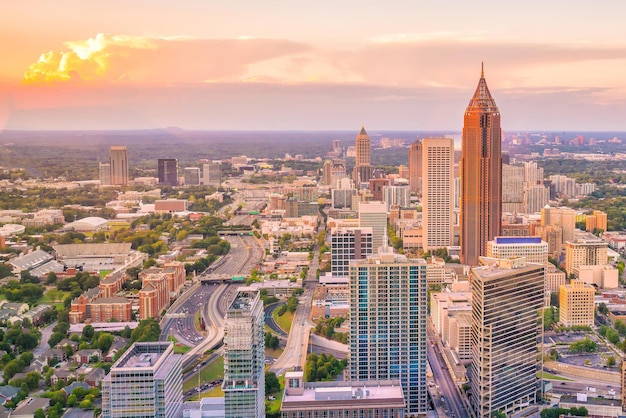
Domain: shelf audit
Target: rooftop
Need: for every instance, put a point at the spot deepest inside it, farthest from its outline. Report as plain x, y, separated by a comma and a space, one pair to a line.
328, 393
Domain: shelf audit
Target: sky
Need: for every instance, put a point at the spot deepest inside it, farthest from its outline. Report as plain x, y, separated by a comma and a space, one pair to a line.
299, 65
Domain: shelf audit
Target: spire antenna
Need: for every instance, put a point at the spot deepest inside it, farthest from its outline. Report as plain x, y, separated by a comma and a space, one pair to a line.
482, 69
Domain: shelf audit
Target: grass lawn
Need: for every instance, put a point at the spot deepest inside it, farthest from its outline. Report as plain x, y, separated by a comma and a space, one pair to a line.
283, 321
210, 372
274, 406
53, 297
547, 375
178, 347
216, 392
103, 273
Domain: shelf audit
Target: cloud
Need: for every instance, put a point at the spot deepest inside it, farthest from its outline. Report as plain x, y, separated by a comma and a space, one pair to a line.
122, 58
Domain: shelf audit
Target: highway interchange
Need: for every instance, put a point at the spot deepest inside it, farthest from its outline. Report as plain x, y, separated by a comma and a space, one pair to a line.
213, 299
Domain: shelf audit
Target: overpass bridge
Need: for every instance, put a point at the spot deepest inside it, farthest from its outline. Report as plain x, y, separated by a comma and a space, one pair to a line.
235, 232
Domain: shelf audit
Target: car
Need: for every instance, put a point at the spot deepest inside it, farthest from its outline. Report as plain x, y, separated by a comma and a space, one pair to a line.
562, 383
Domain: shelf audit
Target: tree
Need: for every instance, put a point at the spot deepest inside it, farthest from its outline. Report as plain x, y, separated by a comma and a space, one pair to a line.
272, 385
39, 413
147, 330
88, 332
5, 270
610, 361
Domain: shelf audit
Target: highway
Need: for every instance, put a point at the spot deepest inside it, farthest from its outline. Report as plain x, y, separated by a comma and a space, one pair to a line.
294, 354
244, 255
560, 387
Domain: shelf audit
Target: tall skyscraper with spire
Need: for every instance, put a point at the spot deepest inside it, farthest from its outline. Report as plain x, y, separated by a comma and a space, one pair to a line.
481, 174
362, 169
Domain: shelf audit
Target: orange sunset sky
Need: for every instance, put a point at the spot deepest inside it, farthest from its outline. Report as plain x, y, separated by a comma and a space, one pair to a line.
134, 64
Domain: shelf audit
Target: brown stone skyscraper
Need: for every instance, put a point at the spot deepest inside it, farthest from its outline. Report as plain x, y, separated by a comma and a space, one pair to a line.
481, 174
363, 168
415, 166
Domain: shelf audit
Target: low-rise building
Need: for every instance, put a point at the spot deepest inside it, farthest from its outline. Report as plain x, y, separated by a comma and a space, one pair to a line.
339, 399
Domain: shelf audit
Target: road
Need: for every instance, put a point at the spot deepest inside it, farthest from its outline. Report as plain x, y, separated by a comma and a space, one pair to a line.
571, 387
295, 351
447, 387
45, 336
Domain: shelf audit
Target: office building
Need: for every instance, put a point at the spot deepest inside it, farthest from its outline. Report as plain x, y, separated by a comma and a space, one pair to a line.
374, 215
451, 314
576, 304
387, 337
363, 168
340, 399
104, 174
244, 356
145, 382
167, 171
596, 221
348, 244
481, 174
118, 160
415, 166
512, 188
563, 217
505, 299
342, 198
327, 173
533, 174
604, 276
531, 248
397, 195
192, 176
212, 174
437, 192
536, 197
554, 279
586, 251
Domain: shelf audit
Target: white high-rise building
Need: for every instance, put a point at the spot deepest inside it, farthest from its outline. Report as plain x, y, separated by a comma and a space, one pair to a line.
348, 244
388, 324
437, 192
374, 215
244, 356
146, 381
397, 195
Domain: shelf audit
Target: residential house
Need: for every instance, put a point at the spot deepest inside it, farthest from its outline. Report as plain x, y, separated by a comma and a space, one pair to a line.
87, 355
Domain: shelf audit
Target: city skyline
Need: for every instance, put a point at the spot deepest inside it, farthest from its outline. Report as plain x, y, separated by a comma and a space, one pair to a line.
242, 65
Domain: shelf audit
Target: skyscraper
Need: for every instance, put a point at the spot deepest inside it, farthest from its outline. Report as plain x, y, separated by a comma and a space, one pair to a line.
146, 381
348, 244
388, 324
118, 156
505, 299
437, 192
212, 174
362, 169
374, 215
104, 173
244, 356
481, 174
167, 171
415, 166
192, 176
